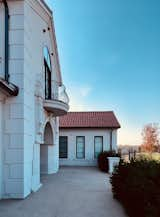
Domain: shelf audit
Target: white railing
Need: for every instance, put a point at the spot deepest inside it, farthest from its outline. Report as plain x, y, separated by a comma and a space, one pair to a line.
62, 95
59, 92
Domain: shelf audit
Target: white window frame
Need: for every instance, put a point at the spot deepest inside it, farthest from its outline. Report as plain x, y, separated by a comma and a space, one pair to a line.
77, 148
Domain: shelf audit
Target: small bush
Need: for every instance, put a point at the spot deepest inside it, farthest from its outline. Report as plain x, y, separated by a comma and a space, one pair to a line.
137, 186
103, 161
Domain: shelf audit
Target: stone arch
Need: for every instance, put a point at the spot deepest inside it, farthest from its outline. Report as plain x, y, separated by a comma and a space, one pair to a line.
48, 134
45, 149
53, 124
49, 161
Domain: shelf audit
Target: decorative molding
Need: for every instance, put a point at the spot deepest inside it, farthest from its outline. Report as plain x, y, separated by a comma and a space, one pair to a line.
8, 89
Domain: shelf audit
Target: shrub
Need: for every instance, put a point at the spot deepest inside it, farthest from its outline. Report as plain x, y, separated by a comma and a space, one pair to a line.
103, 161
137, 186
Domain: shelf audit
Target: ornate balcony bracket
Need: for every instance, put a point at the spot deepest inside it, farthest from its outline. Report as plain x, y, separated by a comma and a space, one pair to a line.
8, 88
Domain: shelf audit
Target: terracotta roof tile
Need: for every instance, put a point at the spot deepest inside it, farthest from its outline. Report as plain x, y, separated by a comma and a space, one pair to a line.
105, 119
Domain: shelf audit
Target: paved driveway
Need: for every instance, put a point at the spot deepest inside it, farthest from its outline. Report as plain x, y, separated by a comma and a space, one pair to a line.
73, 192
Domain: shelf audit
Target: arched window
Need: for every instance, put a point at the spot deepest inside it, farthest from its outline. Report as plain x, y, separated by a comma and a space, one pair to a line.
47, 66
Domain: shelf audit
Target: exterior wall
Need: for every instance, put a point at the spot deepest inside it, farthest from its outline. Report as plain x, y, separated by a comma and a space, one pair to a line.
35, 40
89, 145
13, 128
24, 115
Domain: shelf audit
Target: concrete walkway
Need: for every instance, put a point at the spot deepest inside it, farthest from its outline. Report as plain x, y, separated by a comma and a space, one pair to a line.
73, 192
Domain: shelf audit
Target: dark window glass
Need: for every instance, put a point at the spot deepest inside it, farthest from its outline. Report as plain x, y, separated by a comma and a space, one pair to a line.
63, 147
98, 145
80, 147
47, 57
48, 90
48, 70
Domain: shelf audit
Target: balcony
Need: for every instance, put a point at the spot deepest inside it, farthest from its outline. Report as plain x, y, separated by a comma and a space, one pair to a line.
59, 103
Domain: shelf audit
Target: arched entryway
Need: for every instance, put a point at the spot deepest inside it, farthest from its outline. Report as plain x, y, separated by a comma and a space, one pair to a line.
45, 148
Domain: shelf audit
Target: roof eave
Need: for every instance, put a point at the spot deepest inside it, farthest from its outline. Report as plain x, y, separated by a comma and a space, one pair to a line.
46, 6
56, 52
114, 128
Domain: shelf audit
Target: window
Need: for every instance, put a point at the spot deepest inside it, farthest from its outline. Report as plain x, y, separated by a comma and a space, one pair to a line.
48, 79
47, 57
48, 91
80, 147
98, 145
63, 147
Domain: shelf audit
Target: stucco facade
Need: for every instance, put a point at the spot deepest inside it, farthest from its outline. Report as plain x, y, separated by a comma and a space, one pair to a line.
29, 124
84, 135
89, 134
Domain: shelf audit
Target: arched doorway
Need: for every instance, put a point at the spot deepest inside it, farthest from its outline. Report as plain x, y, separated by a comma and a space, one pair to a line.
45, 149
48, 135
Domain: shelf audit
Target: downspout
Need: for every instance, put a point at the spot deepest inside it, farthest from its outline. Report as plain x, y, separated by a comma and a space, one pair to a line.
6, 41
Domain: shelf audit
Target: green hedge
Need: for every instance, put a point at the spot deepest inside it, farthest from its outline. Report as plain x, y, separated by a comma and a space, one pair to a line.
137, 186
103, 161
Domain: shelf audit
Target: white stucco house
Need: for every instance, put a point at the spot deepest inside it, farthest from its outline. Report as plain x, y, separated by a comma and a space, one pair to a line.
83, 135
32, 96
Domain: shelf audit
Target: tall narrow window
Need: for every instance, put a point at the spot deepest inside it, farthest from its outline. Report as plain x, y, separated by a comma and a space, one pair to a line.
48, 91
98, 145
80, 147
63, 147
48, 79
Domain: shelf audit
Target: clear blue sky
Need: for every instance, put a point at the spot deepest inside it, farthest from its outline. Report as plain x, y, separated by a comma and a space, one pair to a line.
110, 59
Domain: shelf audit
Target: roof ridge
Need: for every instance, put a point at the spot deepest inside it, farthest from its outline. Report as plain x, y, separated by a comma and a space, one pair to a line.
89, 111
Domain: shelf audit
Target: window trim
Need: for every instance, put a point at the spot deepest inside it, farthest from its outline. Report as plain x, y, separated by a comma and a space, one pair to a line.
67, 148
84, 155
95, 145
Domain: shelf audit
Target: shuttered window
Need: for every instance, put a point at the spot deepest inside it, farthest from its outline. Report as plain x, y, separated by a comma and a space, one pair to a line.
98, 145
80, 147
63, 147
